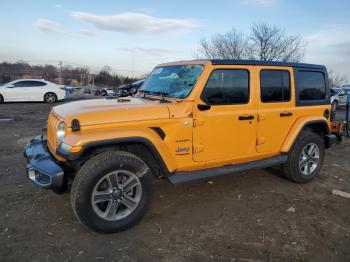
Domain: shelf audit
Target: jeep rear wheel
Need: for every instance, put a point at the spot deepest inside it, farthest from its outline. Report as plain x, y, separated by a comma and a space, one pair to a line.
112, 191
305, 158
1, 99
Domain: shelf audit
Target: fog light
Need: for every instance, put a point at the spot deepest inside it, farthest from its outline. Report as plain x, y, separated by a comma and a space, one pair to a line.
31, 174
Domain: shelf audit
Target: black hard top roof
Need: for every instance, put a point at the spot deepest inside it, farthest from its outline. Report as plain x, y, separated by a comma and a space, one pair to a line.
263, 63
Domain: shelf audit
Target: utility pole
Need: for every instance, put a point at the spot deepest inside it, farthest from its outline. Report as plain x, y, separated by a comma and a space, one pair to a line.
60, 72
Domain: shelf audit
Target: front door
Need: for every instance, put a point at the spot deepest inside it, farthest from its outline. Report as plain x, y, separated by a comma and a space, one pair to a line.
16, 92
276, 107
225, 125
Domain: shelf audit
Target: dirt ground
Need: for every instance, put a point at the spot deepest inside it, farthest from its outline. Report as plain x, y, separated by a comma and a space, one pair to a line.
258, 216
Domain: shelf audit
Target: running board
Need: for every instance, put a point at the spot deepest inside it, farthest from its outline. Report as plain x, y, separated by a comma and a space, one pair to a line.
188, 176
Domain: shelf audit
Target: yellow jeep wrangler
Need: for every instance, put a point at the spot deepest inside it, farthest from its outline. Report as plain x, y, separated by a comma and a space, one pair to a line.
190, 120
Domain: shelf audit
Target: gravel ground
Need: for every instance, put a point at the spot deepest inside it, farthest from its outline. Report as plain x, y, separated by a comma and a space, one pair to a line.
257, 216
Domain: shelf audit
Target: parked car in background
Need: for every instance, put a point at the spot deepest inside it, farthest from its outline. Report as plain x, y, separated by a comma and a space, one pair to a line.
110, 92
130, 89
346, 88
104, 92
338, 97
31, 90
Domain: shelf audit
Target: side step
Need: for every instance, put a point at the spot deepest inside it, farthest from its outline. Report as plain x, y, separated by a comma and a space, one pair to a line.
188, 176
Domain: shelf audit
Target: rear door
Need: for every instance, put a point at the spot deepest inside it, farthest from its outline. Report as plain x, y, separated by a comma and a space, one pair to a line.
225, 124
276, 107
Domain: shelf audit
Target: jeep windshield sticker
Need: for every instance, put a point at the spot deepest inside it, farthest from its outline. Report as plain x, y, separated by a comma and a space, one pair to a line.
157, 71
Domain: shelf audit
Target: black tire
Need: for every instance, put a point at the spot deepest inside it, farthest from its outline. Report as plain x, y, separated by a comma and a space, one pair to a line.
91, 174
291, 168
50, 98
1, 99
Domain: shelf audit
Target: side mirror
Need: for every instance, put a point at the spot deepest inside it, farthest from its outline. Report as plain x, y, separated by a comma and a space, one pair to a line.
10, 86
203, 107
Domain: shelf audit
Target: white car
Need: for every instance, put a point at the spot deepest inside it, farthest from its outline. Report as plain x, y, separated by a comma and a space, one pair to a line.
338, 97
110, 92
31, 90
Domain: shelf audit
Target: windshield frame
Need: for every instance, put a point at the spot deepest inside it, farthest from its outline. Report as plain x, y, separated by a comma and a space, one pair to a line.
167, 95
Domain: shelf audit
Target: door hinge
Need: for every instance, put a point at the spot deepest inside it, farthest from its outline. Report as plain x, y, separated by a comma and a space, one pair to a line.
260, 141
197, 149
197, 122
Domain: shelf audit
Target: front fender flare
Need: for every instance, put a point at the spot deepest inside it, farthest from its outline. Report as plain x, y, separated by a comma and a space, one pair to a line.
150, 139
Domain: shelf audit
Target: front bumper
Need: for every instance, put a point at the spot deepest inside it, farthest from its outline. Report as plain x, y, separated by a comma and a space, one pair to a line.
42, 168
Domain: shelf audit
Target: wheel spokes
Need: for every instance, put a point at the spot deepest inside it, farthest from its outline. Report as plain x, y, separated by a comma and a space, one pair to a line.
129, 202
112, 180
111, 209
102, 196
116, 195
129, 184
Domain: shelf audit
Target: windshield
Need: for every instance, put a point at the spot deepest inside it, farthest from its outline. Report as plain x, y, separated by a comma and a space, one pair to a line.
172, 81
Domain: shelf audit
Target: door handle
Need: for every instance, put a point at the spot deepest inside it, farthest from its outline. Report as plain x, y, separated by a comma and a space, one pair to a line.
203, 107
286, 114
246, 117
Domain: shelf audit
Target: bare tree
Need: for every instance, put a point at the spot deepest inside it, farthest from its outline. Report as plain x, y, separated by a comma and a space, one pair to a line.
264, 42
336, 80
231, 45
270, 43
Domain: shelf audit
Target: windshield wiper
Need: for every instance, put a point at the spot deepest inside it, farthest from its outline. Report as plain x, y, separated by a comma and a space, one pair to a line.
158, 93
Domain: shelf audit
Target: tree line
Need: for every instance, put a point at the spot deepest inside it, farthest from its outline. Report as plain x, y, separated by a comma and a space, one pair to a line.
67, 75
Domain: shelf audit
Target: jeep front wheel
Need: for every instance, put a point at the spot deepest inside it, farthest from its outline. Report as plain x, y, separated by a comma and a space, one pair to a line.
305, 158
112, 191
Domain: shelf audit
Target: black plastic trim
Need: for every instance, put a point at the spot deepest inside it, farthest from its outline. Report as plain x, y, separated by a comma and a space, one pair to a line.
159, 131
265, 63
116, 141
40, 160
183, 177
75, 125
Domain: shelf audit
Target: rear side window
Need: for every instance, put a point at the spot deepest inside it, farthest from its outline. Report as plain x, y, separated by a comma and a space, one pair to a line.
311, 85
274, 86
227, 87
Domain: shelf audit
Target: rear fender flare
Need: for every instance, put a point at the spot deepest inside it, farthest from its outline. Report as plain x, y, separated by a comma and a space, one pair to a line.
298, 126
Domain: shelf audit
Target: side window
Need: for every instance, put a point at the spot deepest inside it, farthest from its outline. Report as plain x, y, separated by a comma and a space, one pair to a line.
35, 83
274, 86
20, 84
29, 83
311, 85
227, 86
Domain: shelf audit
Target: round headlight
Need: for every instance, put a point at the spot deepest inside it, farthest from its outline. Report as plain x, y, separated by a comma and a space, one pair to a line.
61, 132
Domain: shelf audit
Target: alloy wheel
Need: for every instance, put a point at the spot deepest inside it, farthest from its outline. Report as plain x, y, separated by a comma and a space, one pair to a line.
116, 195
309, 159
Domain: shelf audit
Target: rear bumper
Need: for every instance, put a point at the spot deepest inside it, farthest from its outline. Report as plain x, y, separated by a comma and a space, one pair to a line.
42, 168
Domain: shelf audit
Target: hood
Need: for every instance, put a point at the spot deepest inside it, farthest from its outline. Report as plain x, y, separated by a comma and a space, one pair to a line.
106, 111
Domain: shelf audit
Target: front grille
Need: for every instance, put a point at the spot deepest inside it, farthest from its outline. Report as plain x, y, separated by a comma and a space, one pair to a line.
52, 126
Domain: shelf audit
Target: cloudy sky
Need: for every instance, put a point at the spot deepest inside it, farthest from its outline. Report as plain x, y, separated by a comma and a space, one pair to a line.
133, 36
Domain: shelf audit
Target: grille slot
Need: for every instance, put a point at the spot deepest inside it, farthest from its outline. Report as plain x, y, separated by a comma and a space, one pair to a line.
51, 130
